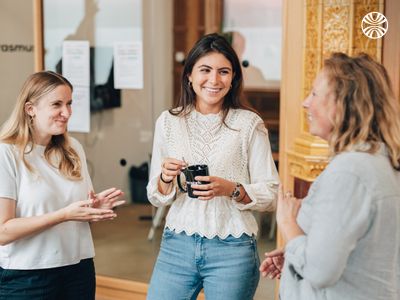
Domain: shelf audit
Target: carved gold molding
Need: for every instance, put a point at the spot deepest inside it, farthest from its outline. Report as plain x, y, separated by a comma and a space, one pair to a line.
306, 167
309, 158
331, 26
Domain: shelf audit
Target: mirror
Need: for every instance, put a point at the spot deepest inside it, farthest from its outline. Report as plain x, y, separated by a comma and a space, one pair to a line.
121, 121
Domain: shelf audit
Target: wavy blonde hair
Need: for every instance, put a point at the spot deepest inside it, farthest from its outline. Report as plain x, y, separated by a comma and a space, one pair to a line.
18, 129
366, 109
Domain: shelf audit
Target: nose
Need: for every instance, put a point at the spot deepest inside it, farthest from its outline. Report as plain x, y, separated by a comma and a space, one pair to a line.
213, 77
306, 102
66, 111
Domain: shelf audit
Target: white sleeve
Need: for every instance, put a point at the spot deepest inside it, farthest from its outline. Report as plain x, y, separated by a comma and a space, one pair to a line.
159, 153
8, 173
264, 179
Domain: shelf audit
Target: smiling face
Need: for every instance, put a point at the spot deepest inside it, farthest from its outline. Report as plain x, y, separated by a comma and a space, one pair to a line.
211, 79
50, 114
321, 107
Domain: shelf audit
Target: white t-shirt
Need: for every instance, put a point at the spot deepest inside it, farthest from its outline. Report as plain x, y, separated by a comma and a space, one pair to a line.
43, 191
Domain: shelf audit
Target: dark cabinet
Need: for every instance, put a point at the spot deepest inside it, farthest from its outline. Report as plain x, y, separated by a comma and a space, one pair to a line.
266, 102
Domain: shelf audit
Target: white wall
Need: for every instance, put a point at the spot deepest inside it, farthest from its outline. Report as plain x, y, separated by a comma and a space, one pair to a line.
16, 63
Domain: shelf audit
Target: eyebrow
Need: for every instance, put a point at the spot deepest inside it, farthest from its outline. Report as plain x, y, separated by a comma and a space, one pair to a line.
59, 100
207, 66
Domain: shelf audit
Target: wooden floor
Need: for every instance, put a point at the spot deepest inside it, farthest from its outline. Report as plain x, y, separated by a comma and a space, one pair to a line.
123, 251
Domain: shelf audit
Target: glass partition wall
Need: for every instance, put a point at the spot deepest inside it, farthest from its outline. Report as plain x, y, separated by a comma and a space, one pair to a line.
121, 135
121, 120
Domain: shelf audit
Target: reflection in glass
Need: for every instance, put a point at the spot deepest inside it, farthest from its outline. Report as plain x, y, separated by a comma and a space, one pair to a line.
255, 29
100, 22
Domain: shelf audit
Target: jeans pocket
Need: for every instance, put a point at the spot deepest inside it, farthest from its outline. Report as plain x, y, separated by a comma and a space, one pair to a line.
256, 257
243, 240
167, 233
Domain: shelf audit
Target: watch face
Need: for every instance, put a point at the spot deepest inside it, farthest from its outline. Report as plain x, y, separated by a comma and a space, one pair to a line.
236, 191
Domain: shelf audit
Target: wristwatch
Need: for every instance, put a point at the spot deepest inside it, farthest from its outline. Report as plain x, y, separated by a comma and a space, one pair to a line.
236, 192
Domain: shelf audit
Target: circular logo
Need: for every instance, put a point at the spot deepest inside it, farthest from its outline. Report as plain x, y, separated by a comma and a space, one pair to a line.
374, 25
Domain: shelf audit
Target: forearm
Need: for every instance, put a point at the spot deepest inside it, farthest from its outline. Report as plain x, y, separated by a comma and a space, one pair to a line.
243, 197
155, 192
290, 230
18, 228
164, 188
258, 197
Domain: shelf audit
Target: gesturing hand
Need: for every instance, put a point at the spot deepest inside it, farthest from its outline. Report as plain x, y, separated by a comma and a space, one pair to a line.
272, 265
286, 214
107, 199
288, 207
81, 211
217, 186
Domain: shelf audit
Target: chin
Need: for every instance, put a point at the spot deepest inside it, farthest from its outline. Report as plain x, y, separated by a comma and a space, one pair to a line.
59, 131
214, 102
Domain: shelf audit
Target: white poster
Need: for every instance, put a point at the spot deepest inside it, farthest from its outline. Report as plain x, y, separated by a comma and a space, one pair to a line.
128, 65
80, 118
75, 67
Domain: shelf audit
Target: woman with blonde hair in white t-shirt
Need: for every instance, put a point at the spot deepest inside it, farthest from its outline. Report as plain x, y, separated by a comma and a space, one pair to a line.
46, 198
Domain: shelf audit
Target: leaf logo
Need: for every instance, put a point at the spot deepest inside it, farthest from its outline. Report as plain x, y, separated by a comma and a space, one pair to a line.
374, 25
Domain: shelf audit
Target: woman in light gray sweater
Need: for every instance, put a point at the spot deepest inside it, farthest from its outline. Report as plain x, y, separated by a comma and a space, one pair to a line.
343, 239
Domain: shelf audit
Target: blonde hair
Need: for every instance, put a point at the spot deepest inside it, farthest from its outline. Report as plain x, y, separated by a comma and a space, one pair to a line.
18, 129
366, 109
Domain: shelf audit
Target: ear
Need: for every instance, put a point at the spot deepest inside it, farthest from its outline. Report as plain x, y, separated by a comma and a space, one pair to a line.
190, 78
30, 109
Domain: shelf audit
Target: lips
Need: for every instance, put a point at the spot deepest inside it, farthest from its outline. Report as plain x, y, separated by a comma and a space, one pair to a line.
212, 90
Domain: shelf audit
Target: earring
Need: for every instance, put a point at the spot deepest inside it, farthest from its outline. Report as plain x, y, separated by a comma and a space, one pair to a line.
30, 124
190, 84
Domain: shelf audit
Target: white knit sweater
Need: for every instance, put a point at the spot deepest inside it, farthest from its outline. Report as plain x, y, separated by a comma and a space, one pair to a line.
240, 155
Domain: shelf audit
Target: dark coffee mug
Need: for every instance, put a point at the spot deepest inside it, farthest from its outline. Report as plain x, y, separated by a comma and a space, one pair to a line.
190, 173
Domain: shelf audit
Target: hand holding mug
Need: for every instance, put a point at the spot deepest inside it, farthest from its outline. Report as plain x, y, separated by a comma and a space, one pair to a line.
170, 168
216, 186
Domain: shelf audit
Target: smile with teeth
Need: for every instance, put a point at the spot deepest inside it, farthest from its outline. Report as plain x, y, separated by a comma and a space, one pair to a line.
309, 117
212, 90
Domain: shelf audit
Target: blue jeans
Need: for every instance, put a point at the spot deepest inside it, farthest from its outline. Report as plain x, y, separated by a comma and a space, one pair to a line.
225, 268
74, 282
